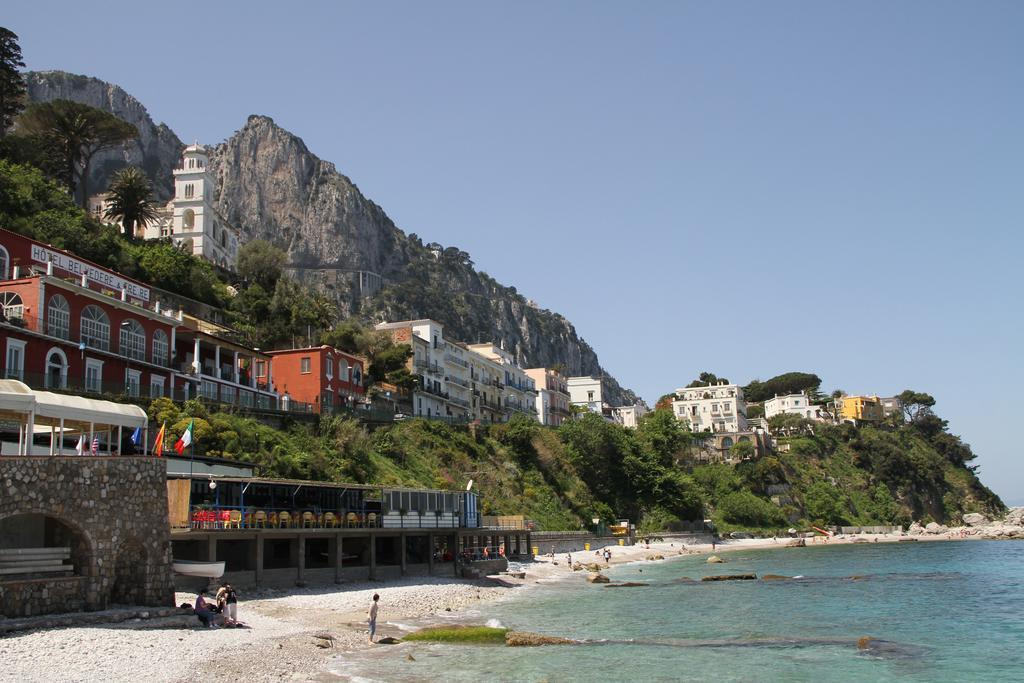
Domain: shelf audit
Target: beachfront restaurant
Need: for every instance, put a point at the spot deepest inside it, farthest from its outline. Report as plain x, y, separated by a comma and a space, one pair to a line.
279, 532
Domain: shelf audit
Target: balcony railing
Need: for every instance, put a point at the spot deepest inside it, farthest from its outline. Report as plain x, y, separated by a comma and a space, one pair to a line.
449, 358
457, 380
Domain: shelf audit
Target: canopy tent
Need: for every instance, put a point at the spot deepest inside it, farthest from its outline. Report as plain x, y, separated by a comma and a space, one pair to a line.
61, 413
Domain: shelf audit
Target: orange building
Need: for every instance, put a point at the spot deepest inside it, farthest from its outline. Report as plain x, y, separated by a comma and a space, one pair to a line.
323, 377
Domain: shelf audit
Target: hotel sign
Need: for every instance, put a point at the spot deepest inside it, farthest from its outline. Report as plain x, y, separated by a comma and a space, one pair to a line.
75, 267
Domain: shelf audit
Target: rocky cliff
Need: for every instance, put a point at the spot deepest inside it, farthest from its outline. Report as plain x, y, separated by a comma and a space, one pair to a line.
157, 150
272, 187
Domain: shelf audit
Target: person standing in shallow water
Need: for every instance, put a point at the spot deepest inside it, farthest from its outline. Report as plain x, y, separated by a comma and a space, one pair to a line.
372, 616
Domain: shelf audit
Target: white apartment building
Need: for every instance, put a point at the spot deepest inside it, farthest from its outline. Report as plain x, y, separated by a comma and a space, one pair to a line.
718, 408
588, 393
517, 390
432, 397
552, 396
629, 416
792, 404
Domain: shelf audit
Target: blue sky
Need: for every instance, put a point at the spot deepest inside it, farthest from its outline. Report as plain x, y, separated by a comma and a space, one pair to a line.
748, 188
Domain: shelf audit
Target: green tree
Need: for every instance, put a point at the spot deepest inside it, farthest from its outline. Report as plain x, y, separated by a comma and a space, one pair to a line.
131, 200
916, 405
744, 508
706, 379
260, 262
660, 433
742, 450
79, 132
12, 82
348, 336
823, 503
781, 385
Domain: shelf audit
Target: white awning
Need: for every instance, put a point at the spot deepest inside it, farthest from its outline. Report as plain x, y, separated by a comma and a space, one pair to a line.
51, 407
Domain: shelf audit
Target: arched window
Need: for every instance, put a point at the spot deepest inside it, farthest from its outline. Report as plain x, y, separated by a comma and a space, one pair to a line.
12, 305
160, 348
133, 339
726, 443
188, 219
56, 369
58, 317
329, 367
343, 370
95, 328
5, 264
357, 375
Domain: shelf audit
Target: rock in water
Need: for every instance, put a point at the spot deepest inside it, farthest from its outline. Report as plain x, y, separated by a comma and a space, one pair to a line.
525, 639
388, 640
410, 658
715, 559
598, 578
731, 577
626, 584
775, 577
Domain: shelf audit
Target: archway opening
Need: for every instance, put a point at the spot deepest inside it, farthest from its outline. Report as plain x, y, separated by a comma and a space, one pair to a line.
43, 546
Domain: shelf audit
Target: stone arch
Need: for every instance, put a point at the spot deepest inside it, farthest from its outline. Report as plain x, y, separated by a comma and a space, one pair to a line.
726, 443
131, 566
744, 438
42, 528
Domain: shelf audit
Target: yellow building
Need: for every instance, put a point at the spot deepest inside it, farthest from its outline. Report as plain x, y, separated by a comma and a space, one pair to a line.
861, 408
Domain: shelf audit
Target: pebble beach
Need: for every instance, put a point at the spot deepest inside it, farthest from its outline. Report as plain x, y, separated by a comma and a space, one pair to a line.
290, 634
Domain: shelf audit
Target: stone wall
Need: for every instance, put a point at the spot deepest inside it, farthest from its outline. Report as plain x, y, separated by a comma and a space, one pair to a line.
114, 510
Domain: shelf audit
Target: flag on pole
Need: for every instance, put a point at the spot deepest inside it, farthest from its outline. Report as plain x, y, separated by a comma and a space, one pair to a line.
185, 440
158, 445
95, 444
137, 436
80, 448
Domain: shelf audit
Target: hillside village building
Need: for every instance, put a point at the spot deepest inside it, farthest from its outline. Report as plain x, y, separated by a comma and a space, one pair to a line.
588, 393
629, 416
458, 381
718, 408
552, 396
321, 377
793, 404
190, 218
861, 408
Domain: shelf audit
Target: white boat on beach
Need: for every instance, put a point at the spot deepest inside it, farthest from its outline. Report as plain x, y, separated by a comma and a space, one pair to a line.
211, 570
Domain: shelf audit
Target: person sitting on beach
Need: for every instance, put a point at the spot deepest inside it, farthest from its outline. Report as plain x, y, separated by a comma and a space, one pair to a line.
371, 615
203, 611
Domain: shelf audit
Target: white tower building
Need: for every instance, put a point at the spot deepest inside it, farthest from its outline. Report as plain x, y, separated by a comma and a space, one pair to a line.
194, 216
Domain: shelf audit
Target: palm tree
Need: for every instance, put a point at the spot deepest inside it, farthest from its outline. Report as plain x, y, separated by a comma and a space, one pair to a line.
78, 131
130, 199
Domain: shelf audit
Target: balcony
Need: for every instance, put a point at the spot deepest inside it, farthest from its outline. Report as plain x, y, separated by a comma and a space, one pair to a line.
449, 358
457, 380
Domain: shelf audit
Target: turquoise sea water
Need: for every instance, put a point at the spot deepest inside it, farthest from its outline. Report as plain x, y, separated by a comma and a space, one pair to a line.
942, 611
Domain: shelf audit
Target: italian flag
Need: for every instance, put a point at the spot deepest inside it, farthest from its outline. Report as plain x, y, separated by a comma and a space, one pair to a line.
186, 439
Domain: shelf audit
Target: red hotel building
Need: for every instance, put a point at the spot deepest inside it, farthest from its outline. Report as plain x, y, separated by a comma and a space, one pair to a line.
68, 323
321, 376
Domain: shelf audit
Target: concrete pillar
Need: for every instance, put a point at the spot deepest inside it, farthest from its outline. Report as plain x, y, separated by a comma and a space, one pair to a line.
211, 549
401, 552
300, 579
259, 559
430, 553
234, 369
216, 361
338, 553
373, 556
197, 363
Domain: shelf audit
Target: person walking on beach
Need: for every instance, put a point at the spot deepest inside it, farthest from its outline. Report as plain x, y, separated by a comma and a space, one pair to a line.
372, 616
